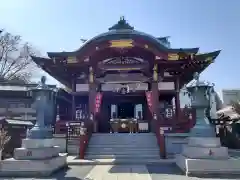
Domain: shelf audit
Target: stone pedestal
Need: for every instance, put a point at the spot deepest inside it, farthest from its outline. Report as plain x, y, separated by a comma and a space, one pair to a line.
36, 157
202, 128
205, 155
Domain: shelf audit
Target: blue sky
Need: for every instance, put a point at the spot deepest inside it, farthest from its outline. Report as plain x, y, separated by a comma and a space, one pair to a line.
57, 25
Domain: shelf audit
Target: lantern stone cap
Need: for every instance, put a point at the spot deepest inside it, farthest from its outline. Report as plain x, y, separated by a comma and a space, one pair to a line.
198, 83
43, 86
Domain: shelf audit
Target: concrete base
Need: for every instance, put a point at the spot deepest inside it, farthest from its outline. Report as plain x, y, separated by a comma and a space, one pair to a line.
36, 153
204, 156
204, 142
205, 152
197, 167
27, 168
37, 143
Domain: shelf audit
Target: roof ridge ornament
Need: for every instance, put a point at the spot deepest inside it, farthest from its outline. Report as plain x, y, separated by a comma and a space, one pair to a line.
42, 83
121, 25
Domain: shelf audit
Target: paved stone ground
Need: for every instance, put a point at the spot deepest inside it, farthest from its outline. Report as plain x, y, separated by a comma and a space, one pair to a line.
121, 172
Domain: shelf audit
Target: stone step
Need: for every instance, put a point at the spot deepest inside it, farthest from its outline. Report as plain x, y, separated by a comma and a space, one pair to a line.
123, 146
112, 140
111, 149
122, 134
143, 141
122, 153
123, 139
145, 161
122, 156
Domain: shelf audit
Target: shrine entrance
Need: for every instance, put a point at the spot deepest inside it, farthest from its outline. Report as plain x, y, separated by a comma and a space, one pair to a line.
125, 110
116, 109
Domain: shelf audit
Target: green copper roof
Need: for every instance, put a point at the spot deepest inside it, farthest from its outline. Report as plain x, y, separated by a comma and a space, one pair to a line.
122, 30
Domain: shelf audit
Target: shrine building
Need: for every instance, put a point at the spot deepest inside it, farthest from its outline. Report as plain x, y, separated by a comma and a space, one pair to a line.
125, 80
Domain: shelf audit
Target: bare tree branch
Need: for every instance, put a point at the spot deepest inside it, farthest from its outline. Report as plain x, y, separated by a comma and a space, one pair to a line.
236, 106
15, 58
4, 138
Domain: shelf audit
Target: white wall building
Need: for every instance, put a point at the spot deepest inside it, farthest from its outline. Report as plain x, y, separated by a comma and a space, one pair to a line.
230, 95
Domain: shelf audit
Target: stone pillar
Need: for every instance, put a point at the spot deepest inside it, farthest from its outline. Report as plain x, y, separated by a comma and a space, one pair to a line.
91, 98
39, 147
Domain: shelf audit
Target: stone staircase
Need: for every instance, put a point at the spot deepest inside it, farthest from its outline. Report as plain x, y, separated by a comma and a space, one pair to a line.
121, 146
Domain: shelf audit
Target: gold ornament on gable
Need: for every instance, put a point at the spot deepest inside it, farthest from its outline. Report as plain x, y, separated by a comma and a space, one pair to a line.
91, 75
173, 57
121, 43
72, 60
155, 73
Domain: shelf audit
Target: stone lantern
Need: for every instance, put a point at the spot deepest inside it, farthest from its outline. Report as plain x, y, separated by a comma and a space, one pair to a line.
39, 154
200, 93
203, 154
44, 101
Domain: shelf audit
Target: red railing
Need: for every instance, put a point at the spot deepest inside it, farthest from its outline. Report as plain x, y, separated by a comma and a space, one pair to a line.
185, 120
63, 127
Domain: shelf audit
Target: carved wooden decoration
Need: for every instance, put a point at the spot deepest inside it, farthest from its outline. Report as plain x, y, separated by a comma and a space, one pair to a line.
123, 61
71, 60
173, 57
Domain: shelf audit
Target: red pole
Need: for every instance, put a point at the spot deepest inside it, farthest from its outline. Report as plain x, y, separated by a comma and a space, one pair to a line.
162, 144
83, 146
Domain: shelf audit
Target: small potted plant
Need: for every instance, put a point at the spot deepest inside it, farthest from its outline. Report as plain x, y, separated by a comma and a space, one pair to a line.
4, 138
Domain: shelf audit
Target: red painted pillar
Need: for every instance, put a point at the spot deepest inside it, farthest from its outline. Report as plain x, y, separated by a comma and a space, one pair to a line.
73, 99
162, 143
91, 98
177, 101
83, 145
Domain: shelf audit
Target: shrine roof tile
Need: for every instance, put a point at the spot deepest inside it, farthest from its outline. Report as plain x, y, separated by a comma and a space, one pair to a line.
184, 50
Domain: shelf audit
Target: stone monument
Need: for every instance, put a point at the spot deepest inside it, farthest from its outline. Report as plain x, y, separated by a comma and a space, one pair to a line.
38, 154
204, 154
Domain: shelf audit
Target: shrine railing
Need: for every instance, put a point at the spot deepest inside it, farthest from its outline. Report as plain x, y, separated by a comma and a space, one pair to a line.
61, 125
178, 123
